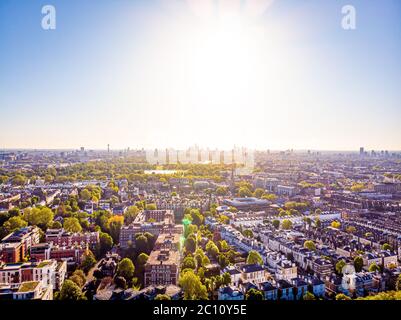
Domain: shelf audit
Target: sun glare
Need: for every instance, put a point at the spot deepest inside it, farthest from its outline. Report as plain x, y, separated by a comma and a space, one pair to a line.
218, 66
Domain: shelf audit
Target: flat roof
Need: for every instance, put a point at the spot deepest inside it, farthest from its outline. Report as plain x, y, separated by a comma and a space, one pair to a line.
28, 286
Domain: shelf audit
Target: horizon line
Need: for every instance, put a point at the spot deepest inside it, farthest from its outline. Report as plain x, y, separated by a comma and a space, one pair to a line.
357, 150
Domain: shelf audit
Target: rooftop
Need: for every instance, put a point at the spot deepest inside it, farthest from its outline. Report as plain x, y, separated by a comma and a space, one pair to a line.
28, 286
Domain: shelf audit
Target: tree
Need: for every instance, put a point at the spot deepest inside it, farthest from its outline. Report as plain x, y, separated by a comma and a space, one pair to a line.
105, 243
120, 282
223, 219
259, 193
244, 192
358, 263
77, 280
190, 243
386, 247
205, 261
374, 267
309, 296
226, 278
78, 277
85, 195
71, 291
253, 294
196, 216
151, 206
72, 225
212, 249
350, 229
295, 205
224, 246
88, 261
56, 225
18, 180
49, 178
126, 269
388, 295
254, 258
80, 274
141, 243
357, 187
339, 266
142, 259
286, 224
248, 233
336, 224
342, 296
114, 199
276, 223
200, 258
309, 244
318, 223
162, 297
130, 214
189, 228
114, 225
188, 263
223, 260
270, 197
41, 217
192, 286
222, 191
14, 223
3, 179
244, 184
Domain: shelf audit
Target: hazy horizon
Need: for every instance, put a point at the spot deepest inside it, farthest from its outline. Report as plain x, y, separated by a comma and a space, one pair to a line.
201, 148
264, 74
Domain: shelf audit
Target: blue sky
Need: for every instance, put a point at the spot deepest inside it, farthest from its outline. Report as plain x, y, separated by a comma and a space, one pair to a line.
134, 74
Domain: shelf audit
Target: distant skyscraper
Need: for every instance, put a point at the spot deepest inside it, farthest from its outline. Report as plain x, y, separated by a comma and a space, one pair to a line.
361, 151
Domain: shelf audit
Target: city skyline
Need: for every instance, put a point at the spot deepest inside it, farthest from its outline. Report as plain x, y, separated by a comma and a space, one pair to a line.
272, 75
128, 148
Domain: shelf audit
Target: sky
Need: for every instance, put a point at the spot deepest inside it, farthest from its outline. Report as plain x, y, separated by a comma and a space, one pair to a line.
264, 74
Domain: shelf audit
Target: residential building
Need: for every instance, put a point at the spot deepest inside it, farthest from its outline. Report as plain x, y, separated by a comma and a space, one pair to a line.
230, 293
162, 267
235, 275
253, 273
286, 270
317, 286
29, 290
27, 236
47, 272
322, 267
62, 238
12, 252
153, 221
300, 286
270, 291
288, 191
285, 290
